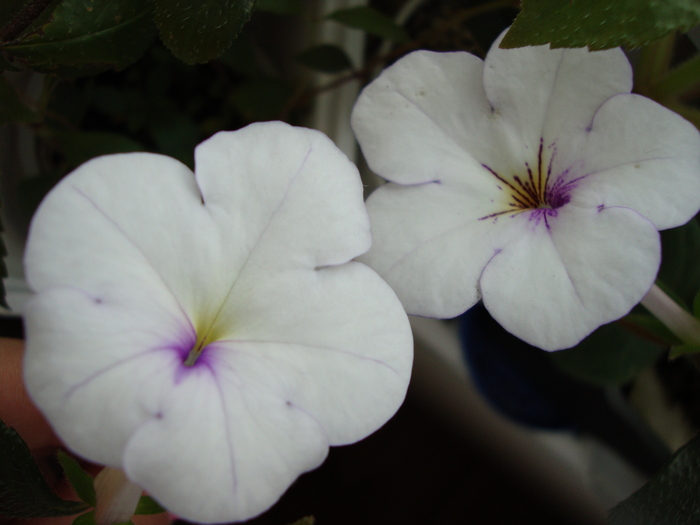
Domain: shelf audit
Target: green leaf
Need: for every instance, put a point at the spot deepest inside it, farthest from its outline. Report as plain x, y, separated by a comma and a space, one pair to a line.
326, 58
680, 350
147, 505
670, 498
260, 100
82, 37
649, 327
197, 31
17, 15
372, 21
609, 356
81, 146
680, 254
23, 491
696, 306
281, 7
85, 519
599, 24
81, 481
12, 109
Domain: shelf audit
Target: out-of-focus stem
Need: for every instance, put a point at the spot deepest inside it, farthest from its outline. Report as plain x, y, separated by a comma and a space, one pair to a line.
117, 497
681, 323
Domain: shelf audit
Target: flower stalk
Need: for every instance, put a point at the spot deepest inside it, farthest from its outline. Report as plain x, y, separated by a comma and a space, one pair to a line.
669, 312
117, 497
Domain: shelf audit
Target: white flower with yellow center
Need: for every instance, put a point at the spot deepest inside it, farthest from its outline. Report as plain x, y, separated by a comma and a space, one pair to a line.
533, 180
210, 334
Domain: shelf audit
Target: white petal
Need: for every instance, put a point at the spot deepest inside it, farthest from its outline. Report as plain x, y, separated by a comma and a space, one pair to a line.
426, 119
557, 281
431, 242
540, 93
223, 448
298, 333
640, 155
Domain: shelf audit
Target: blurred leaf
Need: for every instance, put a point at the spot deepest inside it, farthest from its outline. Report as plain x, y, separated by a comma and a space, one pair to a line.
326, 58
12, 109
17, 15
197, 31
599, 24
696, 306
147, 505
679, 350
85, 519
372, 21
281, 7
83, 38
81, 146
260, 99
306, 520
649, 326
680, 254
81, 481
670, 498
609, 356
23, 491
176, 136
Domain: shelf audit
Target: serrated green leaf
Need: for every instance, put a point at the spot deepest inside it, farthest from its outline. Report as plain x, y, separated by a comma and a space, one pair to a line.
680, 254
12, 109
599, 24
85, 519
147, 505
609, 356
81, 146
372, 21
680, 350
81, 481
23, 491
325, 58
197, 31
281, 7
82, 37
670, 498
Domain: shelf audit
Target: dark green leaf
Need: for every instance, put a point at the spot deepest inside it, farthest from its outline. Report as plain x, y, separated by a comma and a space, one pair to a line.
17, 15
81, 146
12, 109
307, 520
599, 24
80, 480
610, 355
23, 490
680, 350
80, 38
696, 306
372, 21
680, 254
85, 519
197, 31
281, 7
260, 99
325, 58
147, 505
670, 498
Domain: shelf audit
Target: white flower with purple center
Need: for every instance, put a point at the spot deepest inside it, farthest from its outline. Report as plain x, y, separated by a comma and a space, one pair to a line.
210, 334
533, 180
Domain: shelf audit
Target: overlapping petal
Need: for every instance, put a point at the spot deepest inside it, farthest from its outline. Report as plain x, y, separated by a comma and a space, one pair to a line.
136, 260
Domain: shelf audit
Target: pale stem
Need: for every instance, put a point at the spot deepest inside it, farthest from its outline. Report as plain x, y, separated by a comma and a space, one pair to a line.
670, 313
117, 497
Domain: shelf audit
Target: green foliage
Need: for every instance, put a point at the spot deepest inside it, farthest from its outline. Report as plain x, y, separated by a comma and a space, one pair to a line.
12, 109
81, 481
670, 498
680, 270
83, 38
609, 356
325, 58
147, 505
685, 349
372, 21
23, 491
280, 7
261, 99
651, 328
81, 146
599, 24
197, 31
85, 519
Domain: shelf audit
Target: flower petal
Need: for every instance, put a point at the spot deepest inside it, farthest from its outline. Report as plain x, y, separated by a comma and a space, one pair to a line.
359, 375
571, 273
431, 242
223, 448
640, 155
540, 92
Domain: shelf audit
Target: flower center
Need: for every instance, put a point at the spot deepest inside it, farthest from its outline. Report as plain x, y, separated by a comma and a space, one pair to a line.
196, 351
533, 190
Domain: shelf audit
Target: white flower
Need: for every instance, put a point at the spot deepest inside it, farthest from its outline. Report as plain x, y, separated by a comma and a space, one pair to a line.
533, 180
209, 334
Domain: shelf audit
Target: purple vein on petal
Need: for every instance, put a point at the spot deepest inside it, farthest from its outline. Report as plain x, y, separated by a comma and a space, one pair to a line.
138, 248
229, 440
